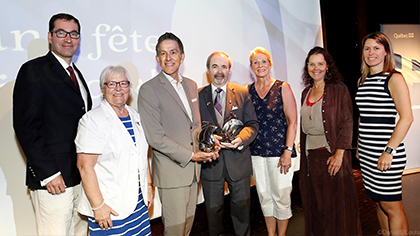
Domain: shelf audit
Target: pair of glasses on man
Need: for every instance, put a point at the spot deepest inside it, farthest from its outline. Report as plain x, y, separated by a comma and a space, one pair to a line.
63, 34
113, 84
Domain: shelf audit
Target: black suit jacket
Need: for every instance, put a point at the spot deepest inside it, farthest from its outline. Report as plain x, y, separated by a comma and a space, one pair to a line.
238, 163
46, 110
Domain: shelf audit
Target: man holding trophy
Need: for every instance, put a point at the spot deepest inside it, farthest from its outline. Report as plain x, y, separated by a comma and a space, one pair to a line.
229, 107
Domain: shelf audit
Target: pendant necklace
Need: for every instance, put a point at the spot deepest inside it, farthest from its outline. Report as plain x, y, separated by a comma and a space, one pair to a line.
311, 104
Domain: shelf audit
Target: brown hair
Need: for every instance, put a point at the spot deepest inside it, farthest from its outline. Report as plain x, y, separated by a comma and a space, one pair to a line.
62, 16
389, 62
169, 36
332, 74
218, 53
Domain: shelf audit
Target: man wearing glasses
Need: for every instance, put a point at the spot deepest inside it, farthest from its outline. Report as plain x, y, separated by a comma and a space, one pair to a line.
49, 98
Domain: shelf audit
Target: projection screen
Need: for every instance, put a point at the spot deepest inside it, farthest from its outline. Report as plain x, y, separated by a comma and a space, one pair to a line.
125, 32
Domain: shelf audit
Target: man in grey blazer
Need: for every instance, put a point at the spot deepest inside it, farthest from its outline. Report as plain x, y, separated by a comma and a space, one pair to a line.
217, 101
168, 106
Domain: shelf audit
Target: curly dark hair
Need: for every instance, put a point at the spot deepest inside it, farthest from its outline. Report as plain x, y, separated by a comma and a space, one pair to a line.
332, 74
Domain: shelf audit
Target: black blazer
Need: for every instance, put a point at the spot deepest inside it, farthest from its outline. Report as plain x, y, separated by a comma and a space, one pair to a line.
46, 110
238, 163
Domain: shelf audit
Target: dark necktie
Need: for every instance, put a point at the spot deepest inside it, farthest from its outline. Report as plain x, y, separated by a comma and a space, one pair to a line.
218, 103
73, 77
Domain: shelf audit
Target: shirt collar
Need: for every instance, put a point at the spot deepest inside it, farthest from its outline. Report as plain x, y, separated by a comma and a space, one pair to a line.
62, 61
213, 87
172, 80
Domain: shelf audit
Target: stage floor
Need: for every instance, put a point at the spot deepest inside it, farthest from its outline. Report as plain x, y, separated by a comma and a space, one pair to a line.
370, 225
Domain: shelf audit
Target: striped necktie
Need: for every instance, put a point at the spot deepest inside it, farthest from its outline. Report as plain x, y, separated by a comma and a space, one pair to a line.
218, 103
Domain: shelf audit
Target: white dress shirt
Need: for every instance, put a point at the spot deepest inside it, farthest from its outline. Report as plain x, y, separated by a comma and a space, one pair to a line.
84, 96
181, 92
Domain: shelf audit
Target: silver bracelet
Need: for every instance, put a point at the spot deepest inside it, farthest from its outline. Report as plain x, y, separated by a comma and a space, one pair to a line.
95, 209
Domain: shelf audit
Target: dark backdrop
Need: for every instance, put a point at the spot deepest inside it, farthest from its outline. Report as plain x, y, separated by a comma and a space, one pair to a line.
346, 23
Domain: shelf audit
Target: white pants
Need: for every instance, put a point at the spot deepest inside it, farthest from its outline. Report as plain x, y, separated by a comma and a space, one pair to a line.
57, 214
273, 188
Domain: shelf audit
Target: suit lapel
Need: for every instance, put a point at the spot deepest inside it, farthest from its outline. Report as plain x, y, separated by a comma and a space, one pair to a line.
61, 73
138, 132
118, 126
230, 100
170, 89
89, 98
209, 103
190, 95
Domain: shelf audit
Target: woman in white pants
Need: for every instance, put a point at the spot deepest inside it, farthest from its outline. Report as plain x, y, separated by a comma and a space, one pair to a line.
273, 152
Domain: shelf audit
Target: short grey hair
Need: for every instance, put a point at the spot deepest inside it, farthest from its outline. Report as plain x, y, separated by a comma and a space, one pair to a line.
111, 70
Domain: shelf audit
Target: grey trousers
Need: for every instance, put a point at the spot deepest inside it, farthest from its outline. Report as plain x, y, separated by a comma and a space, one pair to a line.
178, 209
240, 204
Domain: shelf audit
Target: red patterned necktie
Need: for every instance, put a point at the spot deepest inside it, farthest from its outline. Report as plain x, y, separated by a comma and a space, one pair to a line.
73, 77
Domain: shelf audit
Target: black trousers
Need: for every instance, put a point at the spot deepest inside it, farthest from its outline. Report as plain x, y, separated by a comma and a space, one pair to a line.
239, 201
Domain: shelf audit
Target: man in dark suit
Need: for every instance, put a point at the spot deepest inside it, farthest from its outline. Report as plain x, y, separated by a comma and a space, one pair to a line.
49, 98
217, 101
168, 107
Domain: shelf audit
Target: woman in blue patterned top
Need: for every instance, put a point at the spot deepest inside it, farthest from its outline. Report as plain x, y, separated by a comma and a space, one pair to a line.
112, 159
273, 152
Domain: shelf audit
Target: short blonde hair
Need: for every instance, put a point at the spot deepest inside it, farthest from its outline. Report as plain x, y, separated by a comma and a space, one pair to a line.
262, 51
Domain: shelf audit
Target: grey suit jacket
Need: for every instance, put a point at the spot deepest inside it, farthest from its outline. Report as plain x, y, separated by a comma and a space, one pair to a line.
238, 163
169, 130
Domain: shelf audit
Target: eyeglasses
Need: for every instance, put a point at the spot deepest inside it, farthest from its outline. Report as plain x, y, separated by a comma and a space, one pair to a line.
113, 84
63, 34
319, 64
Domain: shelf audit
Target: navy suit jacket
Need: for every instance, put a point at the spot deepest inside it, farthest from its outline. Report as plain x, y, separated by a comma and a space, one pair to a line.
238, 163
46, 110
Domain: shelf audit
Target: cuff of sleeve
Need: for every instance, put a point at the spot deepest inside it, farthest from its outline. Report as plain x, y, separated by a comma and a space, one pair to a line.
47, 180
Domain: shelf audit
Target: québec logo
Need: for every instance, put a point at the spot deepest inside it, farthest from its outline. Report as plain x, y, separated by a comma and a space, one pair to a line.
403, 35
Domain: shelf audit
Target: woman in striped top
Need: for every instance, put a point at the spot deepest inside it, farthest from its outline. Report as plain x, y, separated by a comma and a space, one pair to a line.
112, 159
382, 94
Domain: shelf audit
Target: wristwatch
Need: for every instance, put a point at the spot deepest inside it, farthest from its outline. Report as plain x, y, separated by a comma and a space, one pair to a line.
289, 149
390, 150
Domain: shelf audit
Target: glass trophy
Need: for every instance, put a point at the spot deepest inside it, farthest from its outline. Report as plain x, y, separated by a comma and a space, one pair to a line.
231, 128
206, 142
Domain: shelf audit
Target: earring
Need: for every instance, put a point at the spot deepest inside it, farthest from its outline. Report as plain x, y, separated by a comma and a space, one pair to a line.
328, 75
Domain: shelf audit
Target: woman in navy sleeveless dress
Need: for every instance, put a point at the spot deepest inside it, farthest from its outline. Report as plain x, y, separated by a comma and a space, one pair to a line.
382, 94
273, 152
